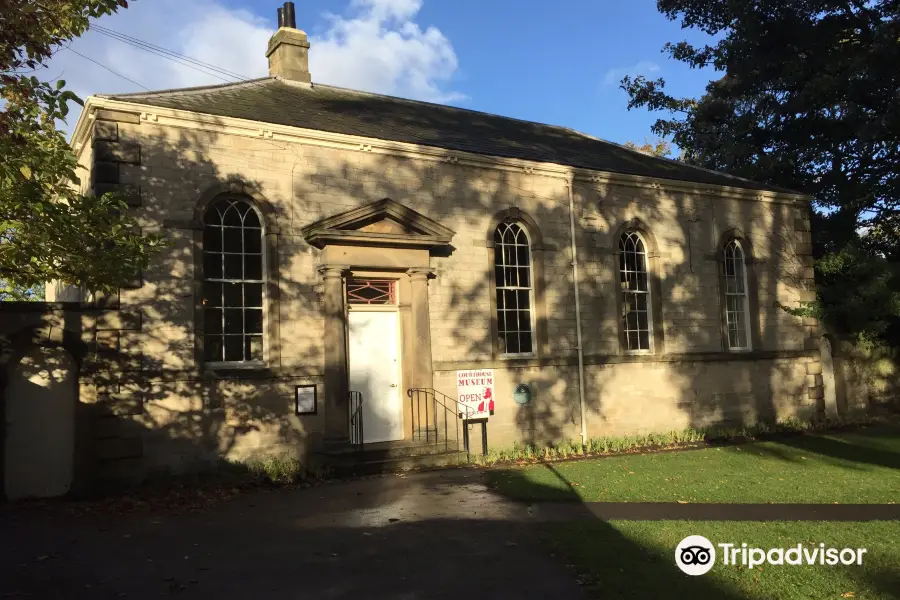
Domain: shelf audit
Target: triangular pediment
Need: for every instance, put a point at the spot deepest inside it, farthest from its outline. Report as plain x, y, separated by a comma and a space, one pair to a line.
385, 223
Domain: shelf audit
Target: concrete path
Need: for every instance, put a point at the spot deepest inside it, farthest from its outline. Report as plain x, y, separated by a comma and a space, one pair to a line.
430, 535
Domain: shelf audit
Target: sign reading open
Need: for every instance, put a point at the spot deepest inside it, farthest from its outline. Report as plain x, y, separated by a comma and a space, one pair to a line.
475, 393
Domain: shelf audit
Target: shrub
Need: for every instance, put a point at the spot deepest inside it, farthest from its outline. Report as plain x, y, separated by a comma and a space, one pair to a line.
276, 469
618, 444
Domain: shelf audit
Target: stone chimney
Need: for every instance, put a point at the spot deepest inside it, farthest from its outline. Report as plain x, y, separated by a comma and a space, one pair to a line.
288, 51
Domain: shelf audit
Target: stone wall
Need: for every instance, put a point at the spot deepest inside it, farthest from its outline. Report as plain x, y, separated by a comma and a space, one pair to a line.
185, 413
866, 376
90, 334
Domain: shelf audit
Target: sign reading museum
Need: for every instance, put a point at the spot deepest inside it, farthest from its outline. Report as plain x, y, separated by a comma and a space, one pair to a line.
475, 393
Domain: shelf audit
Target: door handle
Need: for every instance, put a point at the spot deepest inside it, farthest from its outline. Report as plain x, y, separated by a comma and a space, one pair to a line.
393, 385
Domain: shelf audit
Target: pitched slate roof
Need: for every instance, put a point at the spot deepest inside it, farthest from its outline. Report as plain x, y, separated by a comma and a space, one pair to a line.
339, 110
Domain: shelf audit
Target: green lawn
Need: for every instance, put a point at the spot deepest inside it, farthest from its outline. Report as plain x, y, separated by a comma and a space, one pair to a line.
862, 466
635, 560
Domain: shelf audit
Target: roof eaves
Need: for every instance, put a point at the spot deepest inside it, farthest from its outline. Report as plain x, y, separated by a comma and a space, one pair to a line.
763, 186
188, 90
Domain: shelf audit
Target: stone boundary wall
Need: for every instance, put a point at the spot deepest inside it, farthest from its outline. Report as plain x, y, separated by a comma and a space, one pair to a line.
91, 335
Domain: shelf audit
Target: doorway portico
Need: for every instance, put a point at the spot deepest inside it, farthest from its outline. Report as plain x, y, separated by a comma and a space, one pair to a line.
375, 267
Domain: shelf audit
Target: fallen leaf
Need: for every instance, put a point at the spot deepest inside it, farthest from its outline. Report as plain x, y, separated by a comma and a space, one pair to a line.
847, 595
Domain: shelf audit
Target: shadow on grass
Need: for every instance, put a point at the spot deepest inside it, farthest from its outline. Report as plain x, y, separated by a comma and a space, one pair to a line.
876, 446
515, 484
612, 566
608, 564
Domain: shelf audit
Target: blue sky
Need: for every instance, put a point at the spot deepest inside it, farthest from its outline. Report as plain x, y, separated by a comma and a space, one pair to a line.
528, 59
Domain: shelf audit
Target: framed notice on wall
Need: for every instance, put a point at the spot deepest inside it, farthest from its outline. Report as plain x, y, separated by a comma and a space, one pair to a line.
305, 400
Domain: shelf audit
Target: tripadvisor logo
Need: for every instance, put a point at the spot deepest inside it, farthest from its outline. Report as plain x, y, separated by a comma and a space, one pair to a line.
696, 555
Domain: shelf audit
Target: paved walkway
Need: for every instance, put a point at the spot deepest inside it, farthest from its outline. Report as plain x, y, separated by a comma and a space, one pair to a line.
431, 535
428, 535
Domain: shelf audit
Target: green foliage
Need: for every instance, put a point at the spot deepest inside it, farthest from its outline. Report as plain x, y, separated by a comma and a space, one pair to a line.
48, 230
806, 100
647, 442
858, 294
276, 469
12, 292
660, 147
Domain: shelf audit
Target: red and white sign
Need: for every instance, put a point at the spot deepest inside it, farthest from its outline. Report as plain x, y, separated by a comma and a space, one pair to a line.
475, 393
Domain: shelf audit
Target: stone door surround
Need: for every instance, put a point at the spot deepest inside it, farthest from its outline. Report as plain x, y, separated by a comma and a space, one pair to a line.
383, 237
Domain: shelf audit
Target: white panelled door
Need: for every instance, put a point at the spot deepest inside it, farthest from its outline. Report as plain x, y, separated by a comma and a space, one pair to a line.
375, 371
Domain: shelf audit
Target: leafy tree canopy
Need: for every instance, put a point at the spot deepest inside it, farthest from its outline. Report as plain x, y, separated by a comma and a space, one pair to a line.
660, 147
48, 229
808, 99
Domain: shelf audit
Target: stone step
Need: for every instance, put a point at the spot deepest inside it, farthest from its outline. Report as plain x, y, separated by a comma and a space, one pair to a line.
367, 465
398, 449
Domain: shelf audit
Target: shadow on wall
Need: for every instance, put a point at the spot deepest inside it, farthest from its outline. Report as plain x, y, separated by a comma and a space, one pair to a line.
867, 376
156, 407
40, 417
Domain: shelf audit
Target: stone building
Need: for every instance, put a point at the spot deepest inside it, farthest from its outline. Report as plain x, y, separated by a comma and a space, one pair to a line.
338, 241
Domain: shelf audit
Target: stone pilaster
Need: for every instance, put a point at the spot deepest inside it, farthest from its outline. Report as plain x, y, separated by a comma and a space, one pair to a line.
336, 403
423, 374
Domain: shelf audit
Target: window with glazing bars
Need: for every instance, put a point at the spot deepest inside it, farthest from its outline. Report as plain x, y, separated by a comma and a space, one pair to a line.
736, 301
232, 282
635, 282
514, 289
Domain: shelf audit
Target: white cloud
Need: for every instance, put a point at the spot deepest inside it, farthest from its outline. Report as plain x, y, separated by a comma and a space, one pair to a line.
376, 46
381, 49
644, 67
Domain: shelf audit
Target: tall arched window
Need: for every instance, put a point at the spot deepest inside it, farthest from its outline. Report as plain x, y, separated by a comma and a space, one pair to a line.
232, 282
737, 306
515, 289
635, 282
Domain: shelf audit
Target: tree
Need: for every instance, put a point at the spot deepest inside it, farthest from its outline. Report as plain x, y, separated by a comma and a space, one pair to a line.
10, 292
48, 230
807, 100
660, 148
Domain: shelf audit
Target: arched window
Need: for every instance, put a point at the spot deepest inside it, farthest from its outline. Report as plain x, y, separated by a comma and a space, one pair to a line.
515, 289
737, 306
636, 302
233, 282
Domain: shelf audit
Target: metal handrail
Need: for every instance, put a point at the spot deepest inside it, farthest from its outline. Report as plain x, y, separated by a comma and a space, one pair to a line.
356, 419
433, 411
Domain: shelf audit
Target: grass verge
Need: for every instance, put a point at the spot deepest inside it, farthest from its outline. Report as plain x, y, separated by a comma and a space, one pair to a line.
860, 466
629, 559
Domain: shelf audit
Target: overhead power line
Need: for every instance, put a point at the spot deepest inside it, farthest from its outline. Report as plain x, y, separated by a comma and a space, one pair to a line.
98, 63
187, 61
